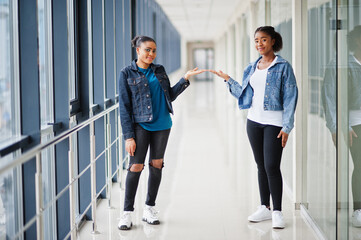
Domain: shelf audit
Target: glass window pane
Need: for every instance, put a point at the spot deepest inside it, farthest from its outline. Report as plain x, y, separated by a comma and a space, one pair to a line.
321, 117
8, 206
10, 215
281, 20
45, 81
352, 100
5, 73
48, 170
71, 45
46, 109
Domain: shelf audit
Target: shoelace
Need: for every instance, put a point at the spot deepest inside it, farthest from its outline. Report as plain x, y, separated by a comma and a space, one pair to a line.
153, 211
125, 216
260, 208
279, 214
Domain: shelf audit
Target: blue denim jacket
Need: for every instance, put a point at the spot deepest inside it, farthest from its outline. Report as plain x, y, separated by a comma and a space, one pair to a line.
135, 104
329, 90
280, 94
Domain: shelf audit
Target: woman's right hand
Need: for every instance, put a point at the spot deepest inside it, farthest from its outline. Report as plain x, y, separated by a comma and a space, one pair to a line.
192, 72
130, 146
221, 74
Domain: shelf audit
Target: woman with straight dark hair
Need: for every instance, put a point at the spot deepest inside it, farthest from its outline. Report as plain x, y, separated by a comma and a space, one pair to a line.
145, 104
269, 91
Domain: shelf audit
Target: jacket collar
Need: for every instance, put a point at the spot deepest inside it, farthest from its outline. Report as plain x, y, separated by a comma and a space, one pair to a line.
279, 60
135, 67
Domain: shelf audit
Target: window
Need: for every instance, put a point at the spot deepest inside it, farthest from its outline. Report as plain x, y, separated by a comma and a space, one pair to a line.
45, 65
73, 22
46, 113
10, 181
203, 59
6, 114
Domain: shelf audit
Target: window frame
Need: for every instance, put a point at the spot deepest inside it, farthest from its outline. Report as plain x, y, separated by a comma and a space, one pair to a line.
73, 40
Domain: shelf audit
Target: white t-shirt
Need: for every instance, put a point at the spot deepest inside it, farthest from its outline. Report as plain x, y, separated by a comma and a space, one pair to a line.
257, 113
355, 115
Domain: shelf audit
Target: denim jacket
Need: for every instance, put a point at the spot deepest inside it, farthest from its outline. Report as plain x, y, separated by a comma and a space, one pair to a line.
135, 103
329, 90
280, 94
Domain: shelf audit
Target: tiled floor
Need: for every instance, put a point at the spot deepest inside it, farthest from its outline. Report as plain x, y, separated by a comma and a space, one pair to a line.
199, 197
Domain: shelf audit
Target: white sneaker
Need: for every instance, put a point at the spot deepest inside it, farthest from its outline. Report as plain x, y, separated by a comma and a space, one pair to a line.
125, 222
150, 215
261, 214
277, 220
356, 218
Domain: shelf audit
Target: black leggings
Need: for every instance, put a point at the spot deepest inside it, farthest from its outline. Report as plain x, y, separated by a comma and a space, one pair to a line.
356, 174
157, 141
267, 151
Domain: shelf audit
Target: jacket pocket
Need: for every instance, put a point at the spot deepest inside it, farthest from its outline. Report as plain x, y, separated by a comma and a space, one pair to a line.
134, 84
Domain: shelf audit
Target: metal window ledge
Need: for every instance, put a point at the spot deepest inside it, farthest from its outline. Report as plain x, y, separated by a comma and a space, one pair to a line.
14, 144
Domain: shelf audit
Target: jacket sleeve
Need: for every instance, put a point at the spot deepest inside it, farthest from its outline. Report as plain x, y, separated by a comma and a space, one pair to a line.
329, 97
125, 107
290, 96
178, 88
234, 88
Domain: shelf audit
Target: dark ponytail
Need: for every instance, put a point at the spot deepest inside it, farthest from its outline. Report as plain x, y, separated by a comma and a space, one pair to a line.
137, 40
269, 30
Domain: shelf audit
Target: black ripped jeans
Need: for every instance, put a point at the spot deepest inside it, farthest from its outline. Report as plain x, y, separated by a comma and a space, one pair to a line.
267, 151
157, 141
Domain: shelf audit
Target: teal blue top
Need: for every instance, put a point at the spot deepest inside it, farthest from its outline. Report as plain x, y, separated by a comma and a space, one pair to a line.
161, 117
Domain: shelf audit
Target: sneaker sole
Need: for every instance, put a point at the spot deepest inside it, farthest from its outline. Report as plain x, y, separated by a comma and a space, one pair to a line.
261, 220
151, 223
125, 227
278, 227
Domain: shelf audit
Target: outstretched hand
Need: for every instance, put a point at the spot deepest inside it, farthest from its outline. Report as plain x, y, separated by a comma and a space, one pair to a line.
221, 74
192, 72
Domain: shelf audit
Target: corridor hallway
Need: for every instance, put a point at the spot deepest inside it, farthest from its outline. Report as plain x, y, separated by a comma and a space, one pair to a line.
202, 195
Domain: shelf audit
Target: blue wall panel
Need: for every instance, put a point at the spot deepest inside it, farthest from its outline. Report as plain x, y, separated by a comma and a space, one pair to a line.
98, 53
109, 49
84, 160
82, 53
113, 130
119, 38
30, 110
127, 33
99, 147
61, 107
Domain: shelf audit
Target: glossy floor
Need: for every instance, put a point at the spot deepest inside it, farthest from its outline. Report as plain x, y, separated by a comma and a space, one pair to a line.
202, 195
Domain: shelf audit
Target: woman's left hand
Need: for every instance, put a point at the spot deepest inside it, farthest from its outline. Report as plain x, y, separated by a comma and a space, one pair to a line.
284, 138
193, 72
221, 74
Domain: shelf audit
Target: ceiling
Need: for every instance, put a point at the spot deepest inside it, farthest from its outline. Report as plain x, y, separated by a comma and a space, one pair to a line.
198, 20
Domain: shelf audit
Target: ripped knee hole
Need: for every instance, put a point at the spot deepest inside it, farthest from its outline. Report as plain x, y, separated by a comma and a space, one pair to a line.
136, 168
157, 163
